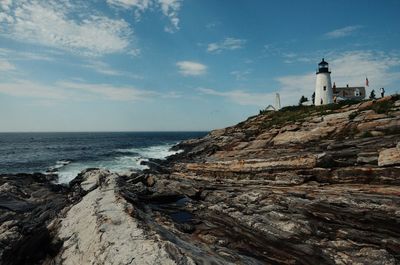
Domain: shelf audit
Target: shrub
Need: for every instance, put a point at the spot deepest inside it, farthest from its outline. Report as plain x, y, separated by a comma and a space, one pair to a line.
382, 107
353, 115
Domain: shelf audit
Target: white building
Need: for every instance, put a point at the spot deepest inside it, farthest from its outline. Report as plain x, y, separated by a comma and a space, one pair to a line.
323, 85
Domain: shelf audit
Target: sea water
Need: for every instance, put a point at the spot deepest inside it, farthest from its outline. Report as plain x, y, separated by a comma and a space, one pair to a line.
67, 154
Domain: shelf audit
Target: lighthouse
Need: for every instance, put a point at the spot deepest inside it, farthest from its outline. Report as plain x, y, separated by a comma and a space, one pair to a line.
323, 85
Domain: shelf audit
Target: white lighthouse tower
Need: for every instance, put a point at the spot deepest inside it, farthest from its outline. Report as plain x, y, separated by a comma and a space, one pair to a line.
323, 85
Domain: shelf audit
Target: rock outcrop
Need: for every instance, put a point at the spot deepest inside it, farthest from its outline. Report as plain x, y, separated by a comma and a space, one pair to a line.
28, 203
100, 229
304, 185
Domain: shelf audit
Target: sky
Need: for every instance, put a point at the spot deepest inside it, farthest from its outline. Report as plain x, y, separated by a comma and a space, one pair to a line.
182, 65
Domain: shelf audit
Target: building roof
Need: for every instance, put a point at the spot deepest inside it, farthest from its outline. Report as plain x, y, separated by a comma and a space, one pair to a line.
270, 108
348, 92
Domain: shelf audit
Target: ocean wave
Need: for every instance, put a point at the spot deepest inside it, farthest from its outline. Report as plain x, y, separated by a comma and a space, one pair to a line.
156, 151
59, 164
122, 160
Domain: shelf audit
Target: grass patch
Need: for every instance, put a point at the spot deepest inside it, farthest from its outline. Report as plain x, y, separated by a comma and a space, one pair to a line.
383, 107
292, 114
353, 115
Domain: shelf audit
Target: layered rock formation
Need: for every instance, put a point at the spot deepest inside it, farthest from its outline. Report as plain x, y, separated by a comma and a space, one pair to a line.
305, 185
100, 229
28, 203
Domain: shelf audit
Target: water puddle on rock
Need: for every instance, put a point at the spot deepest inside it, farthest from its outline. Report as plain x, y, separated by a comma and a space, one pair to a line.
175, 209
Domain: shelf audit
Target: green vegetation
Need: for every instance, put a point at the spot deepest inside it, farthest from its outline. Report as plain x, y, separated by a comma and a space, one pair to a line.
382, 107
302, 100
353, 115
291, 114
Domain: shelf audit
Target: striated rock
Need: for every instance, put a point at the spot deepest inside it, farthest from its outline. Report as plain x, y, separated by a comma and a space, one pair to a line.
389, 157
98, 230
28, 204
305, 185
305, 192
254, 165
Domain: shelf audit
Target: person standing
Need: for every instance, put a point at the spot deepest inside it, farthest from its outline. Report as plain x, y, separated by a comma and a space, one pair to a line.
382, 92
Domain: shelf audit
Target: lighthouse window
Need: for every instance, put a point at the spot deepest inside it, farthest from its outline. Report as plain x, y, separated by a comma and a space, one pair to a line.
357, 92
324, 88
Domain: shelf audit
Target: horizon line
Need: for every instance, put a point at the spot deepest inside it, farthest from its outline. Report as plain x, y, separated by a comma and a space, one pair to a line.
127, 131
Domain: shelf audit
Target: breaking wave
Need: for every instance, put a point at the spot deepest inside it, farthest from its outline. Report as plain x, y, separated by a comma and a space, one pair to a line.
122, 160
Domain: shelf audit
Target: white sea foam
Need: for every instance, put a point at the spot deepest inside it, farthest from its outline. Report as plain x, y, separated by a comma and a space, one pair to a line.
59, 164
129, 162
157, 151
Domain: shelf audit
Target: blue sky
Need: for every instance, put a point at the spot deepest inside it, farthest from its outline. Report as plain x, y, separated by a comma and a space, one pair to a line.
145, 65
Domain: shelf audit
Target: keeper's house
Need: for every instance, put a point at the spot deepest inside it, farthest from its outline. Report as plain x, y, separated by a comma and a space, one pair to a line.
345, 93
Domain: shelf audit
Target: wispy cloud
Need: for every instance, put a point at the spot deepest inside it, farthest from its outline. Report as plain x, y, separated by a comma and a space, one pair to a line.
349, 67
189, 68
6, 66
109, 92
24, 88
342, 32
105, 69
33, 56
226, 44
141, 5
169, 8
23, 55
51, 24
212, 25
75, 91
241, 75
240, 97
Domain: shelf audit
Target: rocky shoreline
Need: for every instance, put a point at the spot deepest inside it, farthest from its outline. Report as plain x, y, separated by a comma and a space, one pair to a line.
305, 185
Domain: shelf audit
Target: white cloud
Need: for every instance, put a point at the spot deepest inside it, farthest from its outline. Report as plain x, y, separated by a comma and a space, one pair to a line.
75, 91
105, 69
342, 32
5, 4
347, 68
241, 75
188, 68
13, 55
33, 56
351, 68
23, 88
241, 97
171, 94
109, 92
102, 68
139, 4
169, 8
51, 24
226, 44
6, 66
292, 87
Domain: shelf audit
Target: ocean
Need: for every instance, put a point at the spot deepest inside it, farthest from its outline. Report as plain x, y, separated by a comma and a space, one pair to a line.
67, 154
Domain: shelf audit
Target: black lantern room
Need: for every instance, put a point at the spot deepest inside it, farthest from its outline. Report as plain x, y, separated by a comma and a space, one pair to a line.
323, 67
